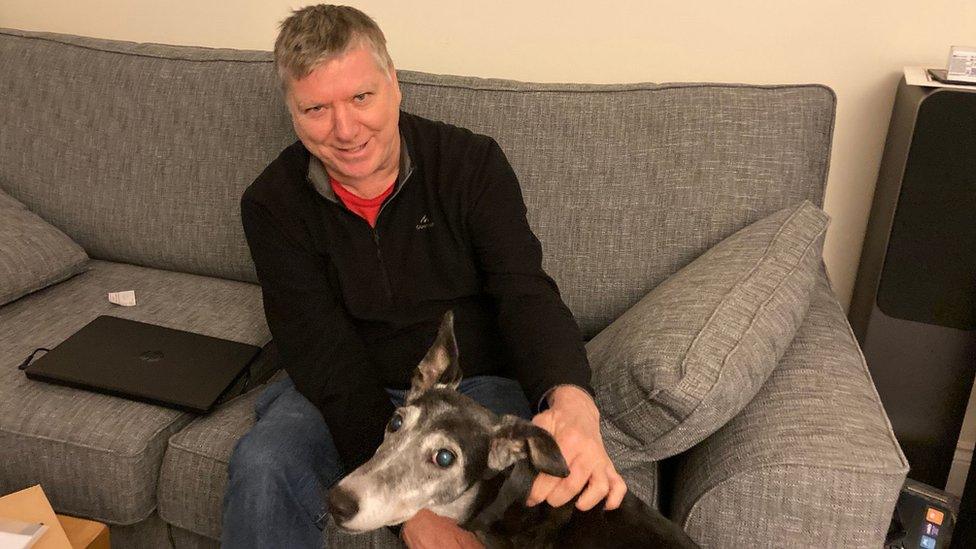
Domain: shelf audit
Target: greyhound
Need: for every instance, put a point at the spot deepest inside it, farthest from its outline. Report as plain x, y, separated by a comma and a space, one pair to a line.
445, 452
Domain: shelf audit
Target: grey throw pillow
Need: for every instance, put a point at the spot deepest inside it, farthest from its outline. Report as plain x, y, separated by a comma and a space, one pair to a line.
33, 253
694, 351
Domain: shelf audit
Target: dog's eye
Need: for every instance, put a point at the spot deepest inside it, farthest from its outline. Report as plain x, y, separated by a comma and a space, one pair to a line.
395, 423
444, 458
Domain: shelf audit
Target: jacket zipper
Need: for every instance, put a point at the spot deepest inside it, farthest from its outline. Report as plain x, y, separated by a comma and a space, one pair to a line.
376, 240
379, 256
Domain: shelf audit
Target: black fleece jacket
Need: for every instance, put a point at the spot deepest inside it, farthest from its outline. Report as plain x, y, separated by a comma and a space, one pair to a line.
353, 309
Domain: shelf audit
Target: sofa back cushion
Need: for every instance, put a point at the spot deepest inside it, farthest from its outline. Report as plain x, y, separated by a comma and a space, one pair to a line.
140, 152
626, 184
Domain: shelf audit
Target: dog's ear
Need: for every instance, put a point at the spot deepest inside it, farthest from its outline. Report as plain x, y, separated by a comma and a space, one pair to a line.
440, 365
515, 438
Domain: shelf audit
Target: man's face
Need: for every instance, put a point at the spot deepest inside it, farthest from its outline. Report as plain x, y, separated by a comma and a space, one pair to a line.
346, 112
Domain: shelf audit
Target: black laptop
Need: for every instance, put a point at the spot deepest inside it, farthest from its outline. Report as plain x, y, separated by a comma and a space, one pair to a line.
146, 362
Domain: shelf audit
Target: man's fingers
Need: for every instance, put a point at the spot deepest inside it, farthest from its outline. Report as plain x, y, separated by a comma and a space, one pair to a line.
544, 420
429, 530
541, 488
571, 485
595, 491
618, 489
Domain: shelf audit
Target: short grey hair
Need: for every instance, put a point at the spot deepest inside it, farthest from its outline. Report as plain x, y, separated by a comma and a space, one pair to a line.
316, 34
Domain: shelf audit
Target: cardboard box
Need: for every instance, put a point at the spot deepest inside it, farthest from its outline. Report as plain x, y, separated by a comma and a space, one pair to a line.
31, 505
64, 532
85, 534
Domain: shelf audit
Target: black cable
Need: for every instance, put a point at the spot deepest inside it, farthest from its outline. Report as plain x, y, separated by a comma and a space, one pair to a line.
27, 361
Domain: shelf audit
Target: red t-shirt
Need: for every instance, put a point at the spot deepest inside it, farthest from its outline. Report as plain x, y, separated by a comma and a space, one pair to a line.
367, 208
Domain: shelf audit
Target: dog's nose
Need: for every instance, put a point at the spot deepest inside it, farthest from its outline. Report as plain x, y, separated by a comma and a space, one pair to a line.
343, 505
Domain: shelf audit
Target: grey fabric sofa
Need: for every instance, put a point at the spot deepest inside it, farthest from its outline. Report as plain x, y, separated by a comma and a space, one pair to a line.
139, 153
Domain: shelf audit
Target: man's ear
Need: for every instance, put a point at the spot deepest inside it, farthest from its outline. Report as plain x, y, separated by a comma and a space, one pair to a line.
440, 365
516, 438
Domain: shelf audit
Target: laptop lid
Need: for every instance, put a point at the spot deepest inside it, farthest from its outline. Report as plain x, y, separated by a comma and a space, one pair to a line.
145, 362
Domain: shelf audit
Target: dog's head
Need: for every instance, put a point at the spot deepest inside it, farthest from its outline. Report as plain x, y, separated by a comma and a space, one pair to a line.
437, 449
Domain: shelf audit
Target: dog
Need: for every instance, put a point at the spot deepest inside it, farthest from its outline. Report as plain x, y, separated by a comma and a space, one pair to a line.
445, 452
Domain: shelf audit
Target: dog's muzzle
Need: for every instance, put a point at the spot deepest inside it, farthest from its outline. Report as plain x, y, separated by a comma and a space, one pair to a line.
343, 505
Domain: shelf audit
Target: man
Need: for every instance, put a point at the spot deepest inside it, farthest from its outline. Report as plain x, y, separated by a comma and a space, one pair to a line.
363, 233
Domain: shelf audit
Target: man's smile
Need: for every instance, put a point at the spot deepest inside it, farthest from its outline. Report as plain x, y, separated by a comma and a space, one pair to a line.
350, 153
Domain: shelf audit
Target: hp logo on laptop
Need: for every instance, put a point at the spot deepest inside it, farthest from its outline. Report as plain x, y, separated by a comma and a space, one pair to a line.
151, 356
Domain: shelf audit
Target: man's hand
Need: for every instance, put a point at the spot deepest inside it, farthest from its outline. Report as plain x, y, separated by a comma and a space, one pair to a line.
427, 530
574, 421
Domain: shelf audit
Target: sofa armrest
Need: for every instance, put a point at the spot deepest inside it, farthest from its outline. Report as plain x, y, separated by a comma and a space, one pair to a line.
811, 461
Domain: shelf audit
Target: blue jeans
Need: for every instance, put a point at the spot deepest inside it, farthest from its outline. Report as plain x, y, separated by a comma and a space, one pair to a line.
281, 469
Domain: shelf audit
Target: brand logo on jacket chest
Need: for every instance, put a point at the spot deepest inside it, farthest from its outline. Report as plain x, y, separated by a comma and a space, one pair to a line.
424, 223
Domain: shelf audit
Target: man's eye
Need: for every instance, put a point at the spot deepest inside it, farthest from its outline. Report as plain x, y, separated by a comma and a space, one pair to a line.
316, 108
361, 97
395, 423
444, 458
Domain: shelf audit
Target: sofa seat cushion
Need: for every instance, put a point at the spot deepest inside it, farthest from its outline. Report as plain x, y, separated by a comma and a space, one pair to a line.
691, 354
96, 455
33, 253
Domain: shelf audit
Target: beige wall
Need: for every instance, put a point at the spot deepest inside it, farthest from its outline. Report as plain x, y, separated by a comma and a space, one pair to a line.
856, 47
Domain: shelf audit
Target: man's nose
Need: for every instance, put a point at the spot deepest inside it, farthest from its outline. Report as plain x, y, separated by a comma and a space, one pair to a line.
344, 125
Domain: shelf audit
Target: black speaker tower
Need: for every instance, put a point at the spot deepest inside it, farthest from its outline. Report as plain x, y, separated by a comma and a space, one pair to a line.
914, 304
